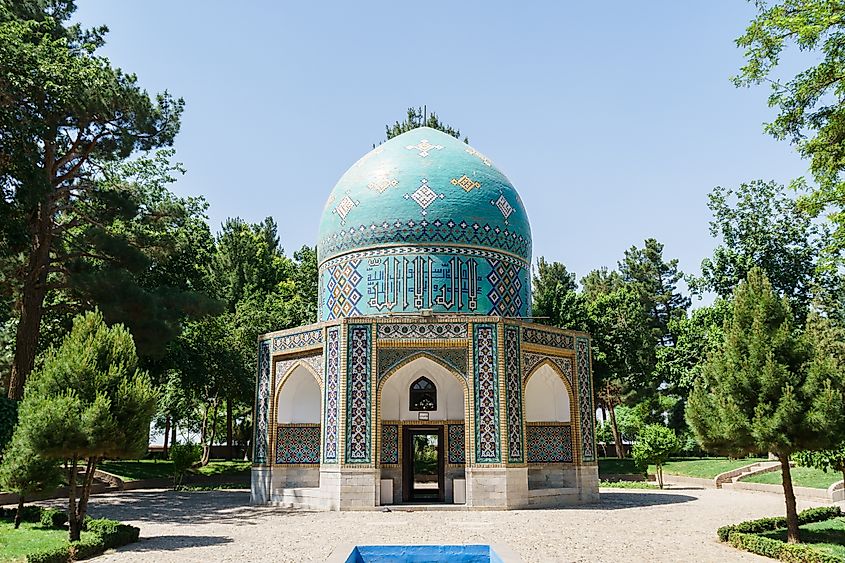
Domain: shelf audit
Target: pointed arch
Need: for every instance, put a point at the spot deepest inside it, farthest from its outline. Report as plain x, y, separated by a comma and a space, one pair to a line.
570, 392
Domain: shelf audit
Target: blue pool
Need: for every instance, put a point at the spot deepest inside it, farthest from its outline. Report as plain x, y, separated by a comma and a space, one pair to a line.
424, 554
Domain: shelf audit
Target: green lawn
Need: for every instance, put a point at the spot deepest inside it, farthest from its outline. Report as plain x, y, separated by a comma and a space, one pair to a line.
827, 537
163, 469
30, 537
705, 468
801, 477
627, 485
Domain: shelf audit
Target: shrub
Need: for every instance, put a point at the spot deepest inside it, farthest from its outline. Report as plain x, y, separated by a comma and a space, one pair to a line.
776, 549
53, 518
654, 445
114, 534
29, 514
54, 555
105, 534
183, 457
808, 516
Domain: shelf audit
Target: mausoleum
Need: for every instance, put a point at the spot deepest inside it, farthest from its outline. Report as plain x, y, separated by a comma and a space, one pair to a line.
424, 380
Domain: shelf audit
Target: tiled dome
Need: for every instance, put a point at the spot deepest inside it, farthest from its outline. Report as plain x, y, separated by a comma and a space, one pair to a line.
424, 221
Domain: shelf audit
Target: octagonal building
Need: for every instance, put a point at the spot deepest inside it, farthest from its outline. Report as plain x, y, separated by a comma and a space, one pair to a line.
424, 381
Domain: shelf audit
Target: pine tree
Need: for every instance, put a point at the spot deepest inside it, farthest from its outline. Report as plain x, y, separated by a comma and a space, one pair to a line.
767, 388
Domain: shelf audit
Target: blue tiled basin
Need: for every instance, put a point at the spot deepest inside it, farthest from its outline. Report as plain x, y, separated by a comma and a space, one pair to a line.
424, 554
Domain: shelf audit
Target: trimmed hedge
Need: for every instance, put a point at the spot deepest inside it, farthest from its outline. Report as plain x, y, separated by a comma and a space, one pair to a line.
53, 518
30, 513
105, 534
776, 549
808, 516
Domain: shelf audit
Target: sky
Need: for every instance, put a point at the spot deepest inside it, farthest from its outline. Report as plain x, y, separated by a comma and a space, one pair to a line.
614, 120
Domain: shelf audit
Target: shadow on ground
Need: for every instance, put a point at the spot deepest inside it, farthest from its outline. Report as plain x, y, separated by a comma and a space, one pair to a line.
172, 543
181, 507
619, 500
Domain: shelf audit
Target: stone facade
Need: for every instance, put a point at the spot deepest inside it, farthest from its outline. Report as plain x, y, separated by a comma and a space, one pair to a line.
502, 461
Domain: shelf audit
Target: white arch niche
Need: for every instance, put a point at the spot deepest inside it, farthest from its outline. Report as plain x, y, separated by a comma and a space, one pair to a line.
546, 397
395, 395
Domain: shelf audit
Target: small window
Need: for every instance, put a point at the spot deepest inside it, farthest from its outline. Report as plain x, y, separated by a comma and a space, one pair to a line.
423, 395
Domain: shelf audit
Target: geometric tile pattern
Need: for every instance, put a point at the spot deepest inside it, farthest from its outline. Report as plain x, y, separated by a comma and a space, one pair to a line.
585, 392
421, 330
411, 279
424, 196
389, 444
314, 362
480, 156
262, 403
530, 360
358, 394
486, 395
513, 390
442, 230
545, 338
504, 206
332, 395
343, 295
424, 148
549, 444
466, 183
298, 340
389, 358
298, 443
505, 289
456, 440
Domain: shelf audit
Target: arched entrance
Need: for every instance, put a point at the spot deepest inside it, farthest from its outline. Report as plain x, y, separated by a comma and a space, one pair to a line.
422, 436
297, 434
549, 416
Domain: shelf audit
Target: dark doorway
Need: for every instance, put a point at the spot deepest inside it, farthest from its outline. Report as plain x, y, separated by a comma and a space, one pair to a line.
422, 464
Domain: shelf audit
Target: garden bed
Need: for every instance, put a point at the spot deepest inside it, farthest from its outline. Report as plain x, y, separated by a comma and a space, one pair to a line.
822, 537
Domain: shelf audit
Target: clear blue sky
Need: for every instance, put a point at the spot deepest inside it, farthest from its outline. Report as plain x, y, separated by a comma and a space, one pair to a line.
613, 119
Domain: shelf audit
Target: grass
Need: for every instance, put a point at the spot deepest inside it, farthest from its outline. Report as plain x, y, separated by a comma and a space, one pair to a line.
135, 470
627, 485
801, 477
703, 468
827, 537
30, 537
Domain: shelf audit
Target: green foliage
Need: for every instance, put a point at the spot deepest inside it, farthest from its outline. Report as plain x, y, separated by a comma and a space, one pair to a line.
419, 117
28, 514
25, 471
654, 445
655, 281
555, 300
765, 388
8, 420
775, 549
811, 114
760, 225
807, 516
801, 477
53, 518
627, 485
104, 535
183, 456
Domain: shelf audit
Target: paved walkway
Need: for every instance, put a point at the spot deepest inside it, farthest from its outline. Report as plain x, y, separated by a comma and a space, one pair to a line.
628, 525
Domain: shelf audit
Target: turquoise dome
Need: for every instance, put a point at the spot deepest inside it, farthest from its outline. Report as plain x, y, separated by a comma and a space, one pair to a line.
424, 222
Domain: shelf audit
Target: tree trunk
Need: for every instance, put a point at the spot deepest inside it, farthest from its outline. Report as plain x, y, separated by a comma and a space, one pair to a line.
659, 471
229, 455
31, 303
73, 524
19, 513
792, 532
166, 434
88, 480
617, 437
206, 445
203, 431
173, 434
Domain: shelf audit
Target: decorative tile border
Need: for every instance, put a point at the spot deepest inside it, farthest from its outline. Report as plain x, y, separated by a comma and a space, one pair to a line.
392, 358
549, 443
298, 444
486, 384
426, 331
315, 362
262, 404
303, 339
359, 349
530, 361
390, 444
331, 399
547, 338
513, 394
585, 399
456, 441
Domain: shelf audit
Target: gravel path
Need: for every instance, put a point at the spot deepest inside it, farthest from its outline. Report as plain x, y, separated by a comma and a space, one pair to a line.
628, 525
